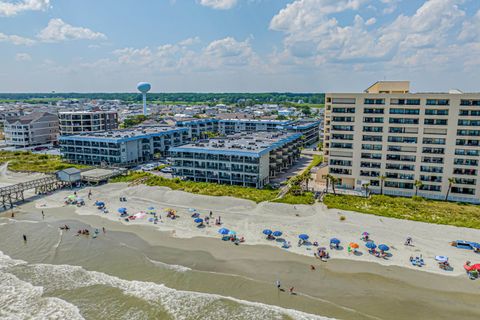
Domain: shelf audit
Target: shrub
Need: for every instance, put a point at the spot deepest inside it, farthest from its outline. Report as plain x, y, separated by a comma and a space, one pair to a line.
343, 218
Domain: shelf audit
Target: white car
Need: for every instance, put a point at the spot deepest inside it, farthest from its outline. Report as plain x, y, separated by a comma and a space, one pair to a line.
148, 167
167, 170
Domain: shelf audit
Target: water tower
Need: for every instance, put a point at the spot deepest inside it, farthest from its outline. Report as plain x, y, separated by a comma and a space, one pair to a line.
144, 87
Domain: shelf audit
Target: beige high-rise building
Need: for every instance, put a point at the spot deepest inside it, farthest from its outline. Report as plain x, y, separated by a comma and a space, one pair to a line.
388, 135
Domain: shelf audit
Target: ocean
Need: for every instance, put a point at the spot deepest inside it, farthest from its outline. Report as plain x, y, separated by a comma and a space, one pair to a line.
58, 275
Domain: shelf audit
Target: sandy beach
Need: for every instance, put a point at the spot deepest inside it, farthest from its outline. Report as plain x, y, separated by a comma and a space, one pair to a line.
345, 287
249, 219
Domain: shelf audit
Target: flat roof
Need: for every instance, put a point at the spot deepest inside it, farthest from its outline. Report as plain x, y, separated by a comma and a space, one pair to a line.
247, 144
117, 136
86, 112
258, 120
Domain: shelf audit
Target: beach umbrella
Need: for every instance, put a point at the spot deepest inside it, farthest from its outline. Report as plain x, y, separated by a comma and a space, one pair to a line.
140, 215
475, 245
223, 231
304, 237
198, 220
441, 258
192, 209
99, 203
365, 234
71, 197
151, 208
267, 232
370, 245
383, 247
122, 210
277, 233
232, 233
334, 241
354, 245
150, 219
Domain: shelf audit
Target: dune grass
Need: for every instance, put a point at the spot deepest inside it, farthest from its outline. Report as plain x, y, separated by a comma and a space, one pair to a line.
417, 209
213, 189
27, 161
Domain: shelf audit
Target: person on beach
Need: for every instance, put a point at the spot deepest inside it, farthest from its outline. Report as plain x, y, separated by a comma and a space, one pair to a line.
43, 215
13, 214
291, 290
211, 214
25, 238
312, 267
103, 229
278, 284
89, 194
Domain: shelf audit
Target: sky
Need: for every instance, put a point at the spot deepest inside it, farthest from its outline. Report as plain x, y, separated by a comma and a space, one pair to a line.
238, 45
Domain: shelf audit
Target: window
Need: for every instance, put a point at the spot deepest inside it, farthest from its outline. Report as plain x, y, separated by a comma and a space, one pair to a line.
343, 119
343, 100
431, 178
373, 110
434, 141
371, 147
463, 122
434, 150
372, 120
432, 159
468, 172
341, 145
400, 139
374, 165
460, 190
372, 138
466, 152
431, 169
438, 102
467, 142
399, 166
374, 101
474, 133
403, 176
344, 163
465, 181
436, 122
404, 120
343, 110
372, 129
336, 136
404, 111
341, 171
430, 187
399, 185
465, 162
470, 102
402, 130
373, 156
474, 113
436, 112
342, 128
365, 173
408, 102
400, 157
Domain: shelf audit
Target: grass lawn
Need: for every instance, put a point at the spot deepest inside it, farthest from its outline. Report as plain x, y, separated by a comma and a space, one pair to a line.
27, 161
417, 209
213, 189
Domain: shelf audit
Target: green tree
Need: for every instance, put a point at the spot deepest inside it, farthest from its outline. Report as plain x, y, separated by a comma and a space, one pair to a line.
366, 187
418, 184
382, 183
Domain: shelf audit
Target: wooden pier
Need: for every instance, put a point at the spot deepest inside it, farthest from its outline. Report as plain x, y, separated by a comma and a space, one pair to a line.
10, 195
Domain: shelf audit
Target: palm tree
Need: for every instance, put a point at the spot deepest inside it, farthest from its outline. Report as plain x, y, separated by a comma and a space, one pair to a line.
382, 183
418, 184
451, 182
366, 186
333, 180
327, 180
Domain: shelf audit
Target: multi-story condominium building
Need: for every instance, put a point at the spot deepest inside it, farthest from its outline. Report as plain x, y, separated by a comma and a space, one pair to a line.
230, 126
244, 159
199, 127
122, 147
391, 136
32, 129
309, 129
75, 122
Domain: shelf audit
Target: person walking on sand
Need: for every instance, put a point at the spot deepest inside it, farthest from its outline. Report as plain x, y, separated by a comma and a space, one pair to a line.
278, 284
103, 229
43, 215
25, 238
89, 194
211, 214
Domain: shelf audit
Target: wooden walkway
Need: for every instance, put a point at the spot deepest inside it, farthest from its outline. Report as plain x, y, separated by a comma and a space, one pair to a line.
9, 195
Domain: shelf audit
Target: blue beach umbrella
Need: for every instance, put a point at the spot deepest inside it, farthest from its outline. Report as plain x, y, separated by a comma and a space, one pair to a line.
383, 247
99, 203
304, 237
122, 210
151, 208
223, 231
267, 232
370, 245
198, 220
334, 241
277, 233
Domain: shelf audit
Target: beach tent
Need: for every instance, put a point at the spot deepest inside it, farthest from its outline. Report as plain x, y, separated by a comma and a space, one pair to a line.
334, 241
370, 245
383, 247
100, 204
223, 231
304, 237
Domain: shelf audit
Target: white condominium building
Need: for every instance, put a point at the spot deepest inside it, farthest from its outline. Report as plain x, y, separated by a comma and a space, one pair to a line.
405, 142
32, 129
75, 122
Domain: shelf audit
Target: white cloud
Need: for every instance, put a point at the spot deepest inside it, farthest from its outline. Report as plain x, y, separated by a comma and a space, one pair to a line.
471, 29
16, 40
219, 4
190, 41
23, 57
12, 8
57, 30
314, 35
370, 21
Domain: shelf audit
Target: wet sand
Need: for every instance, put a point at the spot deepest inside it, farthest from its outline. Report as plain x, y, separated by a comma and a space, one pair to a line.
340, 289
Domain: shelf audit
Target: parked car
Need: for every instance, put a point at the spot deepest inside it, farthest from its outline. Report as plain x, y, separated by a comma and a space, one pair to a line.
148, 167
167, 170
